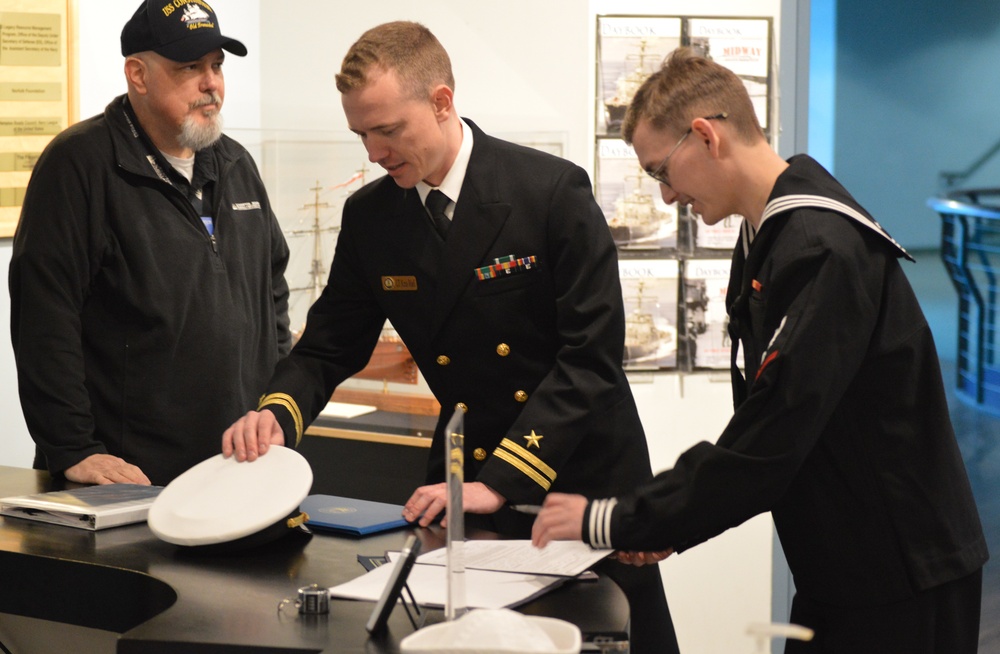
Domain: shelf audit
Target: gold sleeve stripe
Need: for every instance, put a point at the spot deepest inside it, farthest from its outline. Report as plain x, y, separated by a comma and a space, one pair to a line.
523, 467
285, 400
529, 457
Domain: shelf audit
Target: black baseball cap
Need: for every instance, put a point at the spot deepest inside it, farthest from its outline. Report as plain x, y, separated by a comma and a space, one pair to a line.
181, 30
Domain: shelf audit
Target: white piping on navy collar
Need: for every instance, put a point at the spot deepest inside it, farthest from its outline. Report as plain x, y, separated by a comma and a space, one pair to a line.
747, 232
787, 202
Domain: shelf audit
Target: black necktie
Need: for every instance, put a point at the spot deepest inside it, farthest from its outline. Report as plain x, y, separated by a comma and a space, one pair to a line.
436, 202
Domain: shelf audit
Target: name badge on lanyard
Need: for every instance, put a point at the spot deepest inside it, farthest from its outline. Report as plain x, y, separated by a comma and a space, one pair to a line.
200, 202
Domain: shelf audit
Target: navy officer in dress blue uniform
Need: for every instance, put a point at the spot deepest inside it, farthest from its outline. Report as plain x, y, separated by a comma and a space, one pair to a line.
495, 265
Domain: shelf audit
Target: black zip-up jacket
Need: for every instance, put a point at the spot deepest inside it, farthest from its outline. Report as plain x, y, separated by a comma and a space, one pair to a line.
135, 332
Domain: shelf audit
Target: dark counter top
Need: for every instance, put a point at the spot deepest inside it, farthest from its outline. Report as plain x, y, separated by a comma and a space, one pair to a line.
162, 598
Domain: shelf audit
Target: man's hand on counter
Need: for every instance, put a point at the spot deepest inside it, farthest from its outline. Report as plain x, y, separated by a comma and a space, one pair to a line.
105, 469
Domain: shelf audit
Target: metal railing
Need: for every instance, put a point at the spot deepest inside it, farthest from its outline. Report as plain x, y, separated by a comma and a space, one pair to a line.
970, 250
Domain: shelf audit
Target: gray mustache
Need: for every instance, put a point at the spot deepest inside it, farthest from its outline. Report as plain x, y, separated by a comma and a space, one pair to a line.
212, 98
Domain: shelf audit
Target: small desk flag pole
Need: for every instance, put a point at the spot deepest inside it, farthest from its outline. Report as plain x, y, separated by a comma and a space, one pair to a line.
454, 466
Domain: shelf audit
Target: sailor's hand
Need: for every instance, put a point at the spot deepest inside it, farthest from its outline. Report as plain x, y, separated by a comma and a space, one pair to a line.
105, 469
561, 518
640, 559
252, 435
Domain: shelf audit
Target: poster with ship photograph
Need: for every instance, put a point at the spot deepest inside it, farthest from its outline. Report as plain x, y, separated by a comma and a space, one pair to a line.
705, 339
631, 200
743, 46
723, 235
629, 49
650, 287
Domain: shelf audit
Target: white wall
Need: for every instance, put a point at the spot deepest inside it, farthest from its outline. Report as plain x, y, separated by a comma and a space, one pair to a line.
524, 67
520, 66
17, 448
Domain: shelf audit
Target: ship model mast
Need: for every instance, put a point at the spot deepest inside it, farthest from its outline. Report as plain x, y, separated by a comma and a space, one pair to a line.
317, 269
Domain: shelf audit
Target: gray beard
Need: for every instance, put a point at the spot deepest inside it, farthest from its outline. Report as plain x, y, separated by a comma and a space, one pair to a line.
197, 136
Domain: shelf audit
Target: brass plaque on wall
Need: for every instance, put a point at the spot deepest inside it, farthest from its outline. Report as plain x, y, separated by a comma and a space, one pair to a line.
37, 91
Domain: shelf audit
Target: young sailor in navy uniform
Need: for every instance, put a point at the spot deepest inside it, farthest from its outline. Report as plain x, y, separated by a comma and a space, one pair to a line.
497, 268
841, 427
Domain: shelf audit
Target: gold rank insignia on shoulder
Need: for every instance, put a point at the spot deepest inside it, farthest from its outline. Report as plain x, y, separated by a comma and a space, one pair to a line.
508, 265
399, 283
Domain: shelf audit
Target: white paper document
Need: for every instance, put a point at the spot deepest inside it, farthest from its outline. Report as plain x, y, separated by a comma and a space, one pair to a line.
498, 573
428, 583
561, 558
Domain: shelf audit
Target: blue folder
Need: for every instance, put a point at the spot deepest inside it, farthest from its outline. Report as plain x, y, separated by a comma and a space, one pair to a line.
347, 515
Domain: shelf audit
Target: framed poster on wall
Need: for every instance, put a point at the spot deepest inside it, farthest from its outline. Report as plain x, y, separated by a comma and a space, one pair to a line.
706, 323
37, 91
650, 288
631, 200
629, 49
743, 46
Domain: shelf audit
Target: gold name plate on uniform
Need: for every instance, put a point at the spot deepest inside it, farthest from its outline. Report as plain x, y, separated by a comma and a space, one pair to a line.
404, 283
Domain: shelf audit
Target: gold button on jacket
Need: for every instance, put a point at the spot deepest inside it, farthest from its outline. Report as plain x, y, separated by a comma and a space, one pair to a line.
479, 454
442, 360
503, 349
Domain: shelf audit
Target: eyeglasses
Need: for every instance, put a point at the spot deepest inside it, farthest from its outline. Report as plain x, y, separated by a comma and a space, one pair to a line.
660, 174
